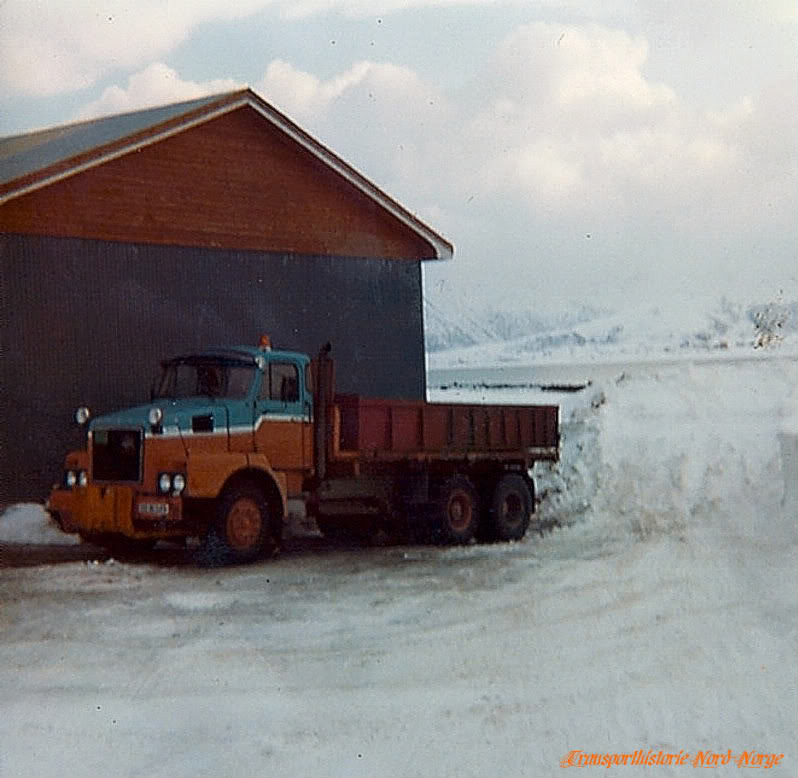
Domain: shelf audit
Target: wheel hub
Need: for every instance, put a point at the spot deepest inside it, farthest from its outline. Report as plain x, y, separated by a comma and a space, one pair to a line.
512, 509
244, 524
459, 510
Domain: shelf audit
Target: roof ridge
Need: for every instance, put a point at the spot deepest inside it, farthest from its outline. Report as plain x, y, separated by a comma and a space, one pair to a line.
208, 99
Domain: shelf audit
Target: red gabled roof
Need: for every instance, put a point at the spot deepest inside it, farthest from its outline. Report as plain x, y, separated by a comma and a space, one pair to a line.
35, 160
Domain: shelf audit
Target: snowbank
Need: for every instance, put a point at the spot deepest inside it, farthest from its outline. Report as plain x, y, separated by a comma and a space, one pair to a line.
687, 445
655, 448
30, 523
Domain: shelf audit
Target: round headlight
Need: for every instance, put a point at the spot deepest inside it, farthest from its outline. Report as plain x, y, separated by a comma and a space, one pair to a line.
154, 416
179, 482
165, 482
83, 478
71, 478
82, 415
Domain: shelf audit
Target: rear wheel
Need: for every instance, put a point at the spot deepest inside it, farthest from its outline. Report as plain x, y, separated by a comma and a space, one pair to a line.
456, 511
242, 530
511, 506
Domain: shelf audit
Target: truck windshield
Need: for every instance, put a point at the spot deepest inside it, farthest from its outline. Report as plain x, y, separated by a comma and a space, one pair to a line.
198, 378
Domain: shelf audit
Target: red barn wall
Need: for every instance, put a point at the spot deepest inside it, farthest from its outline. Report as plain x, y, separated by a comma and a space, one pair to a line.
234, 182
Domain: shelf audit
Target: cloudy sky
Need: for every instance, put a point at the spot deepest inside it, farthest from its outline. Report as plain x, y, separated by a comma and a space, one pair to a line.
600, 151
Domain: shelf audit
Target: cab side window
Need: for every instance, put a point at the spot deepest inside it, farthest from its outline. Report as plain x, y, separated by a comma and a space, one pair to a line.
281, 384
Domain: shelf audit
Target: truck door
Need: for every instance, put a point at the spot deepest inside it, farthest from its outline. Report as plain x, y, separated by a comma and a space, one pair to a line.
281, 416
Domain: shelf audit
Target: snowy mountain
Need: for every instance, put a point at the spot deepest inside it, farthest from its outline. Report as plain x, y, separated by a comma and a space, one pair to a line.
454, 322
459, 334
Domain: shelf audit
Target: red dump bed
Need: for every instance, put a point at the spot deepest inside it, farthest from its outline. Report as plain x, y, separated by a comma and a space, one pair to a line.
394, 429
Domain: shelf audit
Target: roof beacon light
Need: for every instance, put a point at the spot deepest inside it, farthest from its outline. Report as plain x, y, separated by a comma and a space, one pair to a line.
265, 343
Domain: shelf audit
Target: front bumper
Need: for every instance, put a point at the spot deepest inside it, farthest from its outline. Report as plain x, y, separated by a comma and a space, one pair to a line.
95, 509
61, 507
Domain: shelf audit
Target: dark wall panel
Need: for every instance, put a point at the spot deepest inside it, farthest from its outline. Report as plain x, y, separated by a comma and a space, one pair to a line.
86, 322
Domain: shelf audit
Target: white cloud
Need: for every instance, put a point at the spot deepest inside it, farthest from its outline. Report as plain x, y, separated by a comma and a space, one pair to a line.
575, 129
303, 94
58, 46
565, 112
157, 84
307, 96
297, 9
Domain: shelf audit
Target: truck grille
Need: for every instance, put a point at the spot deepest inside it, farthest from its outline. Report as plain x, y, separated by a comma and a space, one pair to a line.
116, 455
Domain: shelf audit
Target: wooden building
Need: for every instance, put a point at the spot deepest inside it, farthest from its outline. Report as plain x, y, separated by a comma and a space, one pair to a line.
130, 238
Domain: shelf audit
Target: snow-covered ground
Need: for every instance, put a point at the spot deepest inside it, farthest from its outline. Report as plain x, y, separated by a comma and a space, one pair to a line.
662, 614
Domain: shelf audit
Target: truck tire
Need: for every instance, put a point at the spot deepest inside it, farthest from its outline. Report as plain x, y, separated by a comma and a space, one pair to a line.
455, 511
242, 530
510, 509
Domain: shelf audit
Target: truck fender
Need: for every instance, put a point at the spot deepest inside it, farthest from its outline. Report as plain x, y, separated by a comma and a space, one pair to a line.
273, 481
209, 471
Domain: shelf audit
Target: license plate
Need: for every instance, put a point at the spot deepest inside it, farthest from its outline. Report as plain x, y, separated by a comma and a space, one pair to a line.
154, 508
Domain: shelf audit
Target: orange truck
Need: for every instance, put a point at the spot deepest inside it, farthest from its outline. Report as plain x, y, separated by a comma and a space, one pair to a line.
231, 435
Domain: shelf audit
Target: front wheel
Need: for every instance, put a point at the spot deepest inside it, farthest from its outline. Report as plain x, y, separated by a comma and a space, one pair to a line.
242, 530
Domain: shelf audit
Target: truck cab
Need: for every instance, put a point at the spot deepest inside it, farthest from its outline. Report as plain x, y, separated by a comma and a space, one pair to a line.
220, 423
